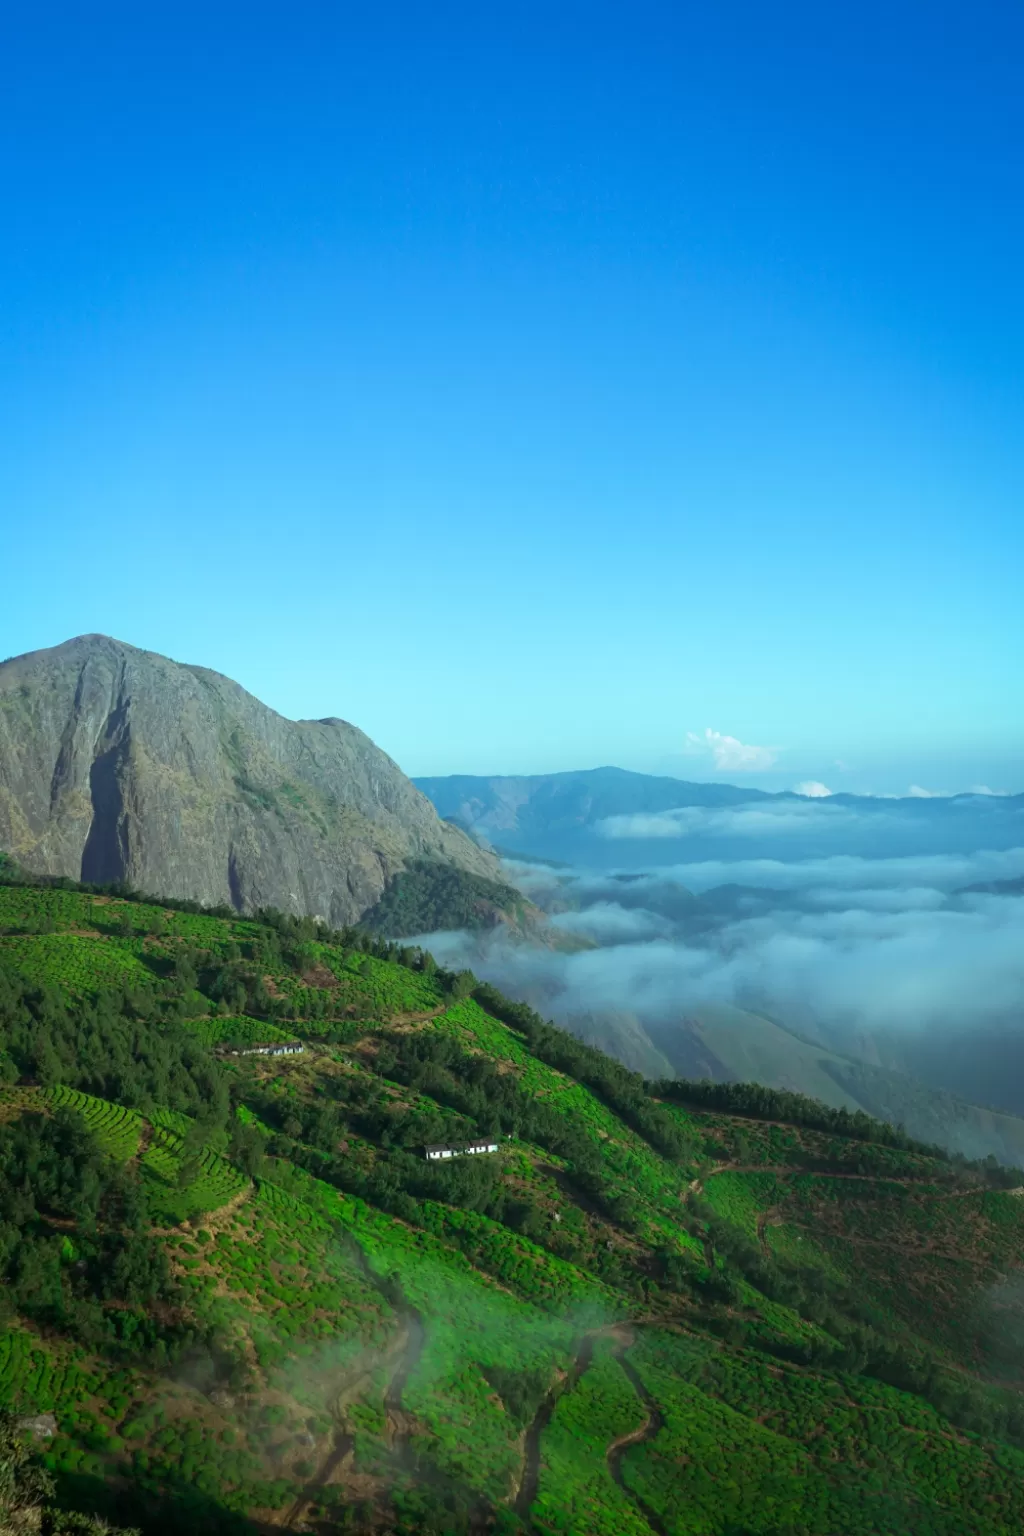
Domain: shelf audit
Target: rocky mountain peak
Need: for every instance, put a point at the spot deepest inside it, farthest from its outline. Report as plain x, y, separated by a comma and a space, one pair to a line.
119, 764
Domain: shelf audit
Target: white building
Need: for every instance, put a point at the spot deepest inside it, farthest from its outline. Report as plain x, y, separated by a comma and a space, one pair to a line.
277, 1048
435, 1153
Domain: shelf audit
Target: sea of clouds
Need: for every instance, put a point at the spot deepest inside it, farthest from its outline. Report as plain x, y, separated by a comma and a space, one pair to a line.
843, 945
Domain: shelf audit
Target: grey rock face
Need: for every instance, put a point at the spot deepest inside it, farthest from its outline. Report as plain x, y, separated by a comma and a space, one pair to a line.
116, 763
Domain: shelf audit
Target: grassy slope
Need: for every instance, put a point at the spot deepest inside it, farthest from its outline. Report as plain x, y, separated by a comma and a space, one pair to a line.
751, 1048
754, 1050
553, 1381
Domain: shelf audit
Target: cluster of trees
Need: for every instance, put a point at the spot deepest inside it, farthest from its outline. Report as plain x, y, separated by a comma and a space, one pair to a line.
399, 1178
428, 896
861, 1349
472, 1085
129, 1047
856, 1337
756, 1102
75, 1246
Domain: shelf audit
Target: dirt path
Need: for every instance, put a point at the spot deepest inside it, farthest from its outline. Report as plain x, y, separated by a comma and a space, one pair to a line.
401, 1358
145, 1140
406, 1350
654, 1421
529, 1481
342, 1441
401, 1423
624, 1337
404, 1019
766, 1219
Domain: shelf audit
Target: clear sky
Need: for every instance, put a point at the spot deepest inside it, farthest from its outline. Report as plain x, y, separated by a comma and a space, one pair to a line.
532, 385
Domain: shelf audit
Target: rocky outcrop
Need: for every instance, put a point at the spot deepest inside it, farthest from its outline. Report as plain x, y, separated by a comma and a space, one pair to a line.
118, 764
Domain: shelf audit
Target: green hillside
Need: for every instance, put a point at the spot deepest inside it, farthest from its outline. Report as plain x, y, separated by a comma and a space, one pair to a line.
251, 1304
428, 897
722, 1041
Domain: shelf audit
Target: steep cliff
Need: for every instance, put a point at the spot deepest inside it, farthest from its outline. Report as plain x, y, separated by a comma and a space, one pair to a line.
118, 764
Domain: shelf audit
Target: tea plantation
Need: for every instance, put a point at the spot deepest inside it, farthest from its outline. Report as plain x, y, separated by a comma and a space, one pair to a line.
251, 1304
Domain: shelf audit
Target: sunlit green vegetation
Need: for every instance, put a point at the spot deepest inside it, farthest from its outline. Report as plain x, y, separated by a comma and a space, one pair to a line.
235, 1031
577, 1492
658, 1307
115, 1128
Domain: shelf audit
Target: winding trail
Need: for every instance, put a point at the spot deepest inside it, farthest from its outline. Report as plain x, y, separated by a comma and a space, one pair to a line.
342, 1441
401, 1423
529, 1482
402, 1356
409, 1347
404, 1353
647, 1430
623, 1337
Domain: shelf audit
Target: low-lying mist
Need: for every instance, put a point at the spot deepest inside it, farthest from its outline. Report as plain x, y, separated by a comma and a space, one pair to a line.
891, 962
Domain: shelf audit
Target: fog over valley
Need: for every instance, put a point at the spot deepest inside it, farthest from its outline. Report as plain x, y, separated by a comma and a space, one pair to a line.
859, 950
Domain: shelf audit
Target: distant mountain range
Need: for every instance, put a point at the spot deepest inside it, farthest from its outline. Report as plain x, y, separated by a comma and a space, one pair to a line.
117, 764
501, 805
572, 817
506, 806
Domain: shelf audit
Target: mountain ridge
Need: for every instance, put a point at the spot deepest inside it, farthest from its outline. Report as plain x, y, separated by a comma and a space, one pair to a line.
120, 764
576, 799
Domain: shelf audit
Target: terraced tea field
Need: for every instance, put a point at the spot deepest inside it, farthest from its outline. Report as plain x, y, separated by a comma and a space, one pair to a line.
253, 1305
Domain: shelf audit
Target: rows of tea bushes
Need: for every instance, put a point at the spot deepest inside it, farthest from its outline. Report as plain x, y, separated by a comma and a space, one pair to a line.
215, 1267
116, 1129
215, 1030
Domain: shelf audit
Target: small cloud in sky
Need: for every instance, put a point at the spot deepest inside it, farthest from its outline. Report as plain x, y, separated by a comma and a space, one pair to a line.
729, 754
983, 789
812, 789
915, 792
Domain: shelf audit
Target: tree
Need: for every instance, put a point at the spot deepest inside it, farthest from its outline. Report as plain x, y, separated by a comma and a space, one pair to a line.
24, 1486
463, 984
26, 1489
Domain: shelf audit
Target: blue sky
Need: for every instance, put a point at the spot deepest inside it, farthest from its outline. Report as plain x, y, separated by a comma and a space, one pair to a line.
534, 388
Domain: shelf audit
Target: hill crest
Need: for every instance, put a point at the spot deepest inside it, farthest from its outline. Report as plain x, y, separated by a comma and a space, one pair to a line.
119, 764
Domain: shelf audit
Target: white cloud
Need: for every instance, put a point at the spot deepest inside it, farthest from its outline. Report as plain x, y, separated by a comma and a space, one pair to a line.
656, 824
983, 789
896, 898
728, 754
853, 969
937, 871
812, 789
763, 818
606, 922
915, 792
